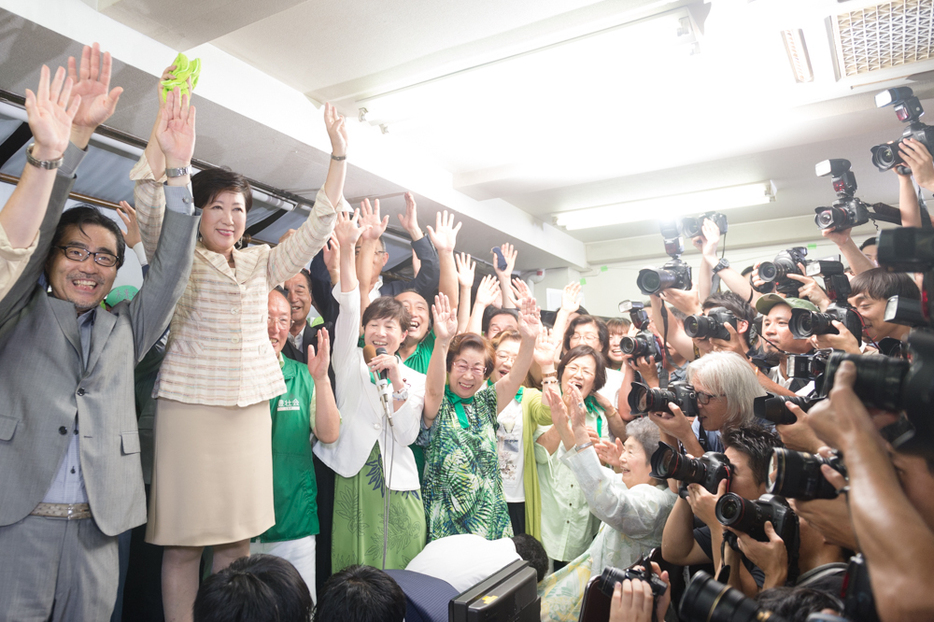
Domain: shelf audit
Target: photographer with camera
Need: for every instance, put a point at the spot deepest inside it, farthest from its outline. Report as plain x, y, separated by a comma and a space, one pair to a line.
712, 266
632, 506
898, 543
634, 601
749, 450
778, 340
869, 295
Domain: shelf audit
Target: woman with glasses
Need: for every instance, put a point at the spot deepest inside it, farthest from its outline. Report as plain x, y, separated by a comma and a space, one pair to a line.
463, 489
212, 479
726, 386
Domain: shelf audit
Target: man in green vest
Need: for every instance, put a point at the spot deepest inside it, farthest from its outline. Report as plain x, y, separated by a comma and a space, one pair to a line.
306, 411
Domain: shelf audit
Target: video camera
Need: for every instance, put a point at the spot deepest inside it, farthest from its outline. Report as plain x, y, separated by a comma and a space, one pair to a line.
712, 325
776, 272
908, 110
644, 399
708, 470
797, 475
772, 407
675, 274
847, 211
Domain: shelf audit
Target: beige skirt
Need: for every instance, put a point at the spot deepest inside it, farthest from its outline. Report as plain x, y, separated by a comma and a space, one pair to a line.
212, 474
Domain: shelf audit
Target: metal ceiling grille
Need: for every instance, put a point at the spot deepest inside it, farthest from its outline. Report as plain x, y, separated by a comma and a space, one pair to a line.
883, 36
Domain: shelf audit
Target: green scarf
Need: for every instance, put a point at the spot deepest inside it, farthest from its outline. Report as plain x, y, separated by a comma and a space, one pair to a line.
458, 403
594, 408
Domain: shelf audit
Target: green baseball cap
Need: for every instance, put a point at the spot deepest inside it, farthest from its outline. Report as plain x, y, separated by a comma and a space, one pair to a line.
765, 304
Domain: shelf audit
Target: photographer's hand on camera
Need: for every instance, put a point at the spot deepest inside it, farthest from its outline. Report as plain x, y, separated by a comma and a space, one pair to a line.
685, 301
811, 290
735, 344
675, 427
646, 366
798, 436
703, 504
919, 160
771, 557
844, 342
633, 600
842, 421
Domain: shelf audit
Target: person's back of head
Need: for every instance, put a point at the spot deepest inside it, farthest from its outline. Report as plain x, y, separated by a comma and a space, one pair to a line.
260, 588
361, 594
532, 551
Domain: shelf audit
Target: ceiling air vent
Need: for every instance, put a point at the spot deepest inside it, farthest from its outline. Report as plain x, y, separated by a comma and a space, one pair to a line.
883, 36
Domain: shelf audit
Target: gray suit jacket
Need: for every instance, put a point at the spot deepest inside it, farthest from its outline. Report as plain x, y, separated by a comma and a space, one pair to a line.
43, 381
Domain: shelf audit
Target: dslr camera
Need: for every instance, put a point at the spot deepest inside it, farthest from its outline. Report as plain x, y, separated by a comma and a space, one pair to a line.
772, 407
644, 343
693, 227
847, 211
776, 272
750, 518
708, 470
712, 325
808, 366
644, 399
675, 274
805, 323
796, 474
708, 600
908, 110
896, 385
611, 576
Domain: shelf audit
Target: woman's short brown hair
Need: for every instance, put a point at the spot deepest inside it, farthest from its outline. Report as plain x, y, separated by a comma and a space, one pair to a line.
388, 308
472, 341
206, 185
577, 352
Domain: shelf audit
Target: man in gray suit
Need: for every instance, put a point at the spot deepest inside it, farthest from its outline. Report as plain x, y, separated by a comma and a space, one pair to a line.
69, 447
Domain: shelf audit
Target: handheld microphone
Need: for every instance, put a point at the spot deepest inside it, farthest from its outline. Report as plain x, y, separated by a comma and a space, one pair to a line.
385, 393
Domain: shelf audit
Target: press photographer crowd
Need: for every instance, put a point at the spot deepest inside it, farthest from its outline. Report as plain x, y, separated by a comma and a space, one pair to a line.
737, 445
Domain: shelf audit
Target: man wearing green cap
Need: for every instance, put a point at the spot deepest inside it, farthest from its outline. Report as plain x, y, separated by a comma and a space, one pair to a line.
778, 340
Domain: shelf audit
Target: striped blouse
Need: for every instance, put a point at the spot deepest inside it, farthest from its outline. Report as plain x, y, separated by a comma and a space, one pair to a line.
218, 352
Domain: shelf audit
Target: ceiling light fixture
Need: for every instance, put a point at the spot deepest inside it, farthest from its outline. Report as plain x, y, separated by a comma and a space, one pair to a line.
798, 55
673, 206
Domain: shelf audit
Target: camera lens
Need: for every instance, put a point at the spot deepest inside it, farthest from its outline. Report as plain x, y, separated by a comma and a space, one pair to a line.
666, 461
797, 475
652, 280
772, 408
730, 509
878, 379
831, 217
885, 157
710, 600
642, 399
767, 271
697, 326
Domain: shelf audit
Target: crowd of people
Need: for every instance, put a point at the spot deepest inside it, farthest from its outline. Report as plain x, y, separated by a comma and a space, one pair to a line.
166, 456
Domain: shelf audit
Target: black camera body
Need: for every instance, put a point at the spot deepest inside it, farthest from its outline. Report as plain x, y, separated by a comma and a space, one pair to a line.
806, 366
847, 211
708, 470
895, 385
772, 407
643, 343
797, 475
908, 110
644, 399
637, 313
712, 325
776, 272
693, 227
611, 576
750, 518
675, 274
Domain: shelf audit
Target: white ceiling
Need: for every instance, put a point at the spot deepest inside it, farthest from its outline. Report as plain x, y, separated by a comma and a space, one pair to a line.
507, 156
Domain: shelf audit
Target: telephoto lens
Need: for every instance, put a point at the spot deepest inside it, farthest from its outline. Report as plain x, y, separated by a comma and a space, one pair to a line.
708, 600
797, 475
772, 407
653, 280
879, 379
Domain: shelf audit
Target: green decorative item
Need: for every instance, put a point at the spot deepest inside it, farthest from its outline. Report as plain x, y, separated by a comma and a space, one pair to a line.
185, 70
